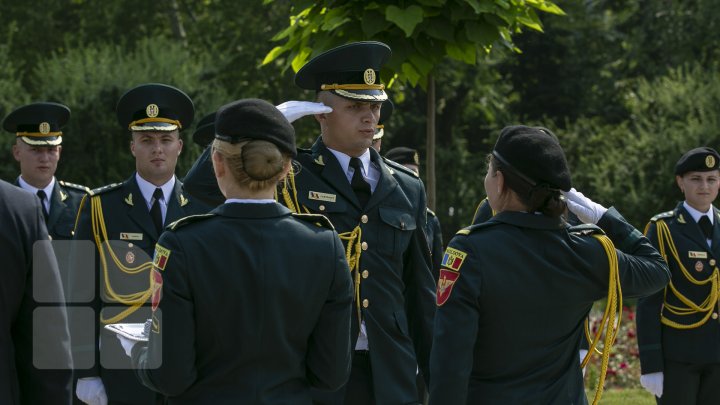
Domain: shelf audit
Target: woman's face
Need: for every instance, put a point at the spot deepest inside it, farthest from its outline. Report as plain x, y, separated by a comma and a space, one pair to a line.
700, 188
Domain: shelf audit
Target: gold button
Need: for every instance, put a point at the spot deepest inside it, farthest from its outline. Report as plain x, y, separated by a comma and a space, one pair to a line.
322, 208
366, 303
364, 219
365, 274
402, 225
712, 262
714, 315
364, 246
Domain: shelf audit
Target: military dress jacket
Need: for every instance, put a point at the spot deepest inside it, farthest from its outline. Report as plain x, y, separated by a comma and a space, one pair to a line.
435, 242
127, 225
255, 308
656, 341
396, 290
513, 296
64, 204
22, 224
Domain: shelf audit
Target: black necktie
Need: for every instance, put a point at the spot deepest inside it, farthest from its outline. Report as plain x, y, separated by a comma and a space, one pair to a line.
155, 211
42, 196
706, 226
358, 183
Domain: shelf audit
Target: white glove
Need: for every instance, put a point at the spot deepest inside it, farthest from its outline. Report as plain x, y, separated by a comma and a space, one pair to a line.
585, 209
91, 391
293, 110
583, 353
127, 344
653, 382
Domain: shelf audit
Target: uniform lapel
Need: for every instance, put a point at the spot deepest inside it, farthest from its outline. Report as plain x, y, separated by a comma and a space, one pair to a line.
332, 172
690, 228
176, 204
386, 182
137, 208
57, 204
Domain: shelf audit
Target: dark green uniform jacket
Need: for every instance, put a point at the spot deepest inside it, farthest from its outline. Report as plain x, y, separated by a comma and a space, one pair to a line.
64, 203
255, 308
396, 288
658, 342
22, 224
514, 293
130, 229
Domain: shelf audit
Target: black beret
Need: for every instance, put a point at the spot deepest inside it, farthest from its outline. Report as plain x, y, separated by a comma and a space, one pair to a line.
38, 124
351, 71
155, 107
253, 118
403, 155
205, 130
534, 154
702, 159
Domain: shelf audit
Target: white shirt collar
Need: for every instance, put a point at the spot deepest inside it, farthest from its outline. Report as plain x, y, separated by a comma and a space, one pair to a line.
48, 189
147, 189
697, 214
344, 161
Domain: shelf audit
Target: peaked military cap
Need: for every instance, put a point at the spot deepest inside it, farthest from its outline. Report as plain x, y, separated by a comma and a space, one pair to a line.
351, 71
252, 118
38, 124
155, 107
205, 130
385, 112
702, 159
534, 154
403, 155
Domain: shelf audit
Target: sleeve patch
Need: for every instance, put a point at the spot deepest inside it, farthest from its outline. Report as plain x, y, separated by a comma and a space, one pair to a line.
453, 259
161, 257
445, 285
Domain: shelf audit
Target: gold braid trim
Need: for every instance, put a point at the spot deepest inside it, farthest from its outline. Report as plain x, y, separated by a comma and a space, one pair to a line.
38, 134
156, 119
134, 300
691, 308
610, 322
352, 87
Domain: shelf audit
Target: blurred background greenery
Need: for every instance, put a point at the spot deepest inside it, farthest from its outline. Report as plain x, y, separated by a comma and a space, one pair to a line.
627, 85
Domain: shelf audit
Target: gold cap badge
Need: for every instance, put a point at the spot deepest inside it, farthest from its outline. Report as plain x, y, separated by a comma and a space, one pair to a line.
369, 76
44, 128
152, 110
710, 161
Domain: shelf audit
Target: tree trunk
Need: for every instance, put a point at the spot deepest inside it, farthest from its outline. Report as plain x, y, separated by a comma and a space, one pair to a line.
176, 22
430, 144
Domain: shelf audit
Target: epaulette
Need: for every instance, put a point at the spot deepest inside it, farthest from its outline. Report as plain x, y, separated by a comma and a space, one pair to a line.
317, 219
431, 212
398, 166
105, 189
586, 230
663, 215
187, 220
303, 150
476, 227
74, 186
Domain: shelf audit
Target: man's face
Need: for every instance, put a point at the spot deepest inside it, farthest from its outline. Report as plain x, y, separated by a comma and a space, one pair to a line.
37, 163
156, 154
351, 125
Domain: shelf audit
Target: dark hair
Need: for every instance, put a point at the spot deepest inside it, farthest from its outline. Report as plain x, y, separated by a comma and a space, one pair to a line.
538, 198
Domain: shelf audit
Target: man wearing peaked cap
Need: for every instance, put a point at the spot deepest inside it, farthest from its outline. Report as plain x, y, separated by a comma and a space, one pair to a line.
678, 327
128, 219
205, 130
37, 129
199, 181
379, 206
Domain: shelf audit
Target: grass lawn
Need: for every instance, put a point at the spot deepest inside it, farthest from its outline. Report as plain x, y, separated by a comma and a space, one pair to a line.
630, 396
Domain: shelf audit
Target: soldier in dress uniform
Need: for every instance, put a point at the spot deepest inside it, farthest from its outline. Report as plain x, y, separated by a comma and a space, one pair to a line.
29, 333
514, 290
379, 209
124, 221
678, 327
385, 112
291, 312
203, 185
38, 144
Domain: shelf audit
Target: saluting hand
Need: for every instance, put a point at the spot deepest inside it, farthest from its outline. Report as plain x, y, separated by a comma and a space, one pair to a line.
586, 209
293, 110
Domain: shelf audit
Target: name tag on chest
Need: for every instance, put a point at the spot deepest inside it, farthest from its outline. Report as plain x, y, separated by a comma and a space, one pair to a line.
697, 255
318, 196
130, 236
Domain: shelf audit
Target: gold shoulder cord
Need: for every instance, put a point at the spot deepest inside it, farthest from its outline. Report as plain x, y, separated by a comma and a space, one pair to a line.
351, 239
134, 300
610, 322
665, 239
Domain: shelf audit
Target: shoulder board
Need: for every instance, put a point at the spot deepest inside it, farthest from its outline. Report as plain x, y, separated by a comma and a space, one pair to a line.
399, 167
74, 186
317, 219
105, 189
431, 212
476, 227
663, 215
586, 230
303, 150
187, 220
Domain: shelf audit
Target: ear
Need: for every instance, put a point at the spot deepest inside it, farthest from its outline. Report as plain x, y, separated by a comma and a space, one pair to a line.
500, 182
132, 147
181, 146
16, 152
218, 164
678, 181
